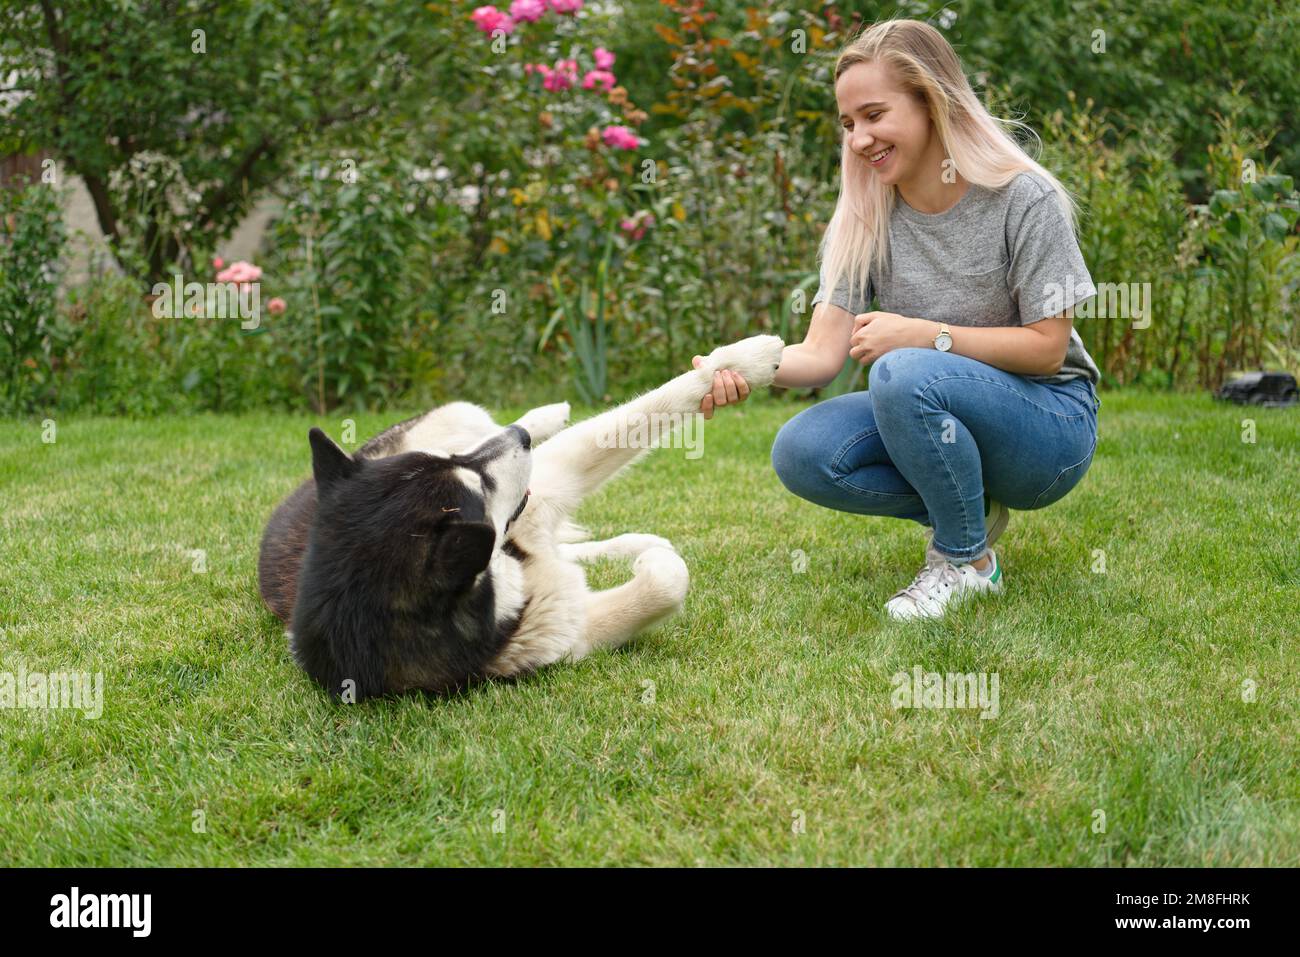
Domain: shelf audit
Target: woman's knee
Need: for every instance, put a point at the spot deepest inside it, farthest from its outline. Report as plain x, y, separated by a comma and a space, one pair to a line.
899, 370
798, 459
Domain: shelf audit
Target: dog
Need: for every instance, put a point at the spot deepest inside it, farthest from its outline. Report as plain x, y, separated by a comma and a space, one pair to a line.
444, 552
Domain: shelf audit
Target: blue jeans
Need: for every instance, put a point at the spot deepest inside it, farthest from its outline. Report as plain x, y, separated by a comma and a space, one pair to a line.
934, 432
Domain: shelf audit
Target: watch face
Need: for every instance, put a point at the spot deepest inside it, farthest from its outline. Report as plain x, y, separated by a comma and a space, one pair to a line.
943, 342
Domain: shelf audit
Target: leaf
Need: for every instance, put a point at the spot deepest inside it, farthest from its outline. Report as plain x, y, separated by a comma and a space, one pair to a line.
1276, 227
1223, 200
1282, 184
550, 327
1262, 191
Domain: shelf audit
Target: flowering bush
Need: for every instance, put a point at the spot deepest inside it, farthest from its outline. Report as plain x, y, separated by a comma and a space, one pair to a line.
578, 137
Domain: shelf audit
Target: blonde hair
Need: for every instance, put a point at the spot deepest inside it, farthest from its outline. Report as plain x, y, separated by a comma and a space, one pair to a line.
979, 144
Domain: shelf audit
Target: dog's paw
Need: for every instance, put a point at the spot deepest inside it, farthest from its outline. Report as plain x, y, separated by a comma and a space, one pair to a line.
544, 421
662, 572
755, 358
632, 544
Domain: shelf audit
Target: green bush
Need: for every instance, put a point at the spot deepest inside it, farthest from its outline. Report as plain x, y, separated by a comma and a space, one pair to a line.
32, 239
345, 244
117, 357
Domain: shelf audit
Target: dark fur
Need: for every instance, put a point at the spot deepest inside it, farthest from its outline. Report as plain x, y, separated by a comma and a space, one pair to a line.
285, 540
374, 563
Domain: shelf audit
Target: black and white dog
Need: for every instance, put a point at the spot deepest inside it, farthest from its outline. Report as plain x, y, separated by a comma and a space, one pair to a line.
443, 551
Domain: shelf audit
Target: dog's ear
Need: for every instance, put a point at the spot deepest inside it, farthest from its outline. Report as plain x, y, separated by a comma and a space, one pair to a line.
329, 463
463, 552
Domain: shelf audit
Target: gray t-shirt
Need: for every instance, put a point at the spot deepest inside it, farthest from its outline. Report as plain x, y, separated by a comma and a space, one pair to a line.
999, 257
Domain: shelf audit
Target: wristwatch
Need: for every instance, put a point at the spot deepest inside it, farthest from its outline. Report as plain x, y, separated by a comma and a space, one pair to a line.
943, 341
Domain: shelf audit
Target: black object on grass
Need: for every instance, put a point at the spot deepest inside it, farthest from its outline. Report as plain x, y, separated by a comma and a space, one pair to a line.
1261, 388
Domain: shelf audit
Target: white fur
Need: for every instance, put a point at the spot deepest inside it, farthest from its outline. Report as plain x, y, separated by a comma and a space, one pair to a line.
562, 618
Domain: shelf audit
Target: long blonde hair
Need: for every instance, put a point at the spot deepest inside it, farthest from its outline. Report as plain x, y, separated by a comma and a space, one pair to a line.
979, 144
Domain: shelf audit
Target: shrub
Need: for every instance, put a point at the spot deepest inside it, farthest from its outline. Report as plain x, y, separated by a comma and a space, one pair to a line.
32, 239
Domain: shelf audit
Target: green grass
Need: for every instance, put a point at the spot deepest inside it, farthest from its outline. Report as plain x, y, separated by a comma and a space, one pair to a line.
700, 743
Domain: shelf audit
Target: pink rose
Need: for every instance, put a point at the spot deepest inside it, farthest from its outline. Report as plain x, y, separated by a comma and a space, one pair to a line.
604, 59
217, 262
620, 137
598, 76
489, 19
566, 6
527, 10
240, 272
275, 306
561, 78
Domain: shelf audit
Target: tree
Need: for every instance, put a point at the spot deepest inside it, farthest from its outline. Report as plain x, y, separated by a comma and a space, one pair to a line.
209, 99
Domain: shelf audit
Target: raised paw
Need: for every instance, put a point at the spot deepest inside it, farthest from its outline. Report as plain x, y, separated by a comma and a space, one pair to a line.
755, 358
544, 421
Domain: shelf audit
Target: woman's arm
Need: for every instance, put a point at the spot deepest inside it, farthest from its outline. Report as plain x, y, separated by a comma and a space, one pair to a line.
814, 362
1034, 349
820, 357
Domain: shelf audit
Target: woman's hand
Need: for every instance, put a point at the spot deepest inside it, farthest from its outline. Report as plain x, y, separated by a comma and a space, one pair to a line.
728, 388
875, 333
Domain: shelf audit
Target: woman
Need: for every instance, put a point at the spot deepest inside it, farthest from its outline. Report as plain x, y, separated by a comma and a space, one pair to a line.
981, 396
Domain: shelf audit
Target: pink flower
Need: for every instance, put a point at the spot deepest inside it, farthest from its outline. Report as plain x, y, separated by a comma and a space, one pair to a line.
620, 137
566, 6
561, 78
217, 262
637, 225
489, 19
275, 306
604, 59
598, 76
240, 272
527, 10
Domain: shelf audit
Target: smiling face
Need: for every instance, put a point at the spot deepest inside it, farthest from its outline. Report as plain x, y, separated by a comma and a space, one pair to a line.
878, 115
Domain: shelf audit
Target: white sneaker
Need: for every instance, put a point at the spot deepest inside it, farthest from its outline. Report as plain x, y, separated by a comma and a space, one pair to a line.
941, 583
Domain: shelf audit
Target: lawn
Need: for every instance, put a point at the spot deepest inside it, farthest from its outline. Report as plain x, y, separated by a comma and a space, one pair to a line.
1145, 648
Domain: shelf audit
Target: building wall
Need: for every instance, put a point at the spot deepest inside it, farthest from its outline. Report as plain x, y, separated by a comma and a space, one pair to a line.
88, 254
